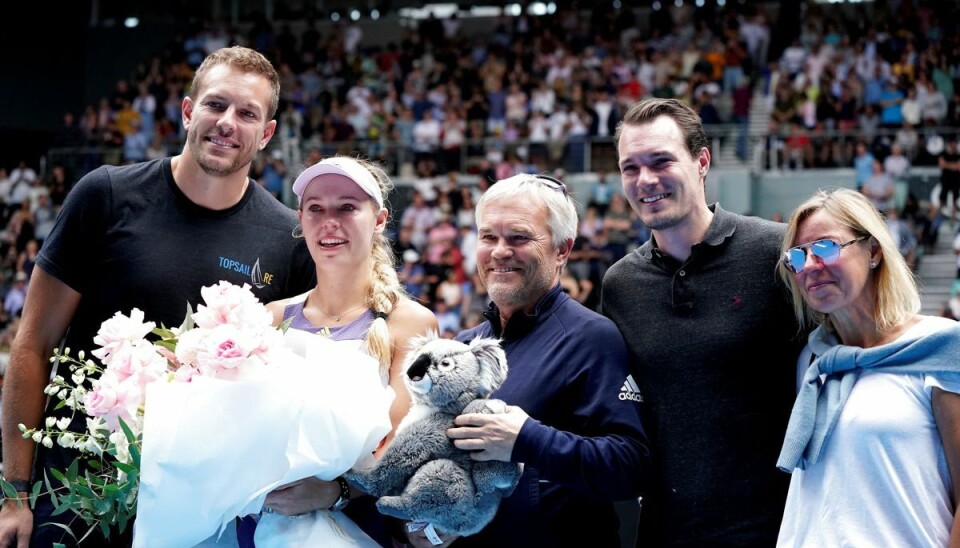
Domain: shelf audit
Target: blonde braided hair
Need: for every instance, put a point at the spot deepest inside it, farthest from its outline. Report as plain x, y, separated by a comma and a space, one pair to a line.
384, 291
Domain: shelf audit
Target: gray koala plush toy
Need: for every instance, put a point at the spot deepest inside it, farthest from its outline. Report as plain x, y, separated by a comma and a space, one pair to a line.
422, 476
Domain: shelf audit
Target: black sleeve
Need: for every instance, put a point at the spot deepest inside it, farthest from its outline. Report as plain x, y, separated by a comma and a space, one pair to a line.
79, 231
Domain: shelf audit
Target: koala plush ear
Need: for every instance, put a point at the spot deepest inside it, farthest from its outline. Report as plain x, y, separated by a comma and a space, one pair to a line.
493, 364
414, 344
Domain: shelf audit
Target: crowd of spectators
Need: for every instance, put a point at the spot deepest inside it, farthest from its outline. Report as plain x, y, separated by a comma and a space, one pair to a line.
539, 87
29, 205
528, 95
893, 82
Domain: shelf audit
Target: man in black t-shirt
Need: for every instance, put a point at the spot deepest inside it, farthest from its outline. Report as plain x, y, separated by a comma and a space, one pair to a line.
149, 236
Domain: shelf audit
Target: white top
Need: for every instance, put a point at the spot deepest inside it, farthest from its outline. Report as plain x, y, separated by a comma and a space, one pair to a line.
882, 479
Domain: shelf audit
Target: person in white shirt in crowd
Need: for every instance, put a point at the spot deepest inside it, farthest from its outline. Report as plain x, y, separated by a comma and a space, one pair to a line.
146, 105
16, 295
908, 139
603, 114
6, 184
538, 132
879, 188
23, 172
418, 217
911, 109
518, 108
426, 135
557, 123
453, 135
793, 58
542, 98
933, 104
896, 164
19, 192
44, 215
755, 32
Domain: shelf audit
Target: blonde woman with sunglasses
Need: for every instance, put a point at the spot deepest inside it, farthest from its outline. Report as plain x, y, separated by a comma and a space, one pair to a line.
873, 442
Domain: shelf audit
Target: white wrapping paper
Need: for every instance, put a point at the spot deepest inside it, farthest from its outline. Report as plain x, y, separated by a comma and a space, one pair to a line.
213, 449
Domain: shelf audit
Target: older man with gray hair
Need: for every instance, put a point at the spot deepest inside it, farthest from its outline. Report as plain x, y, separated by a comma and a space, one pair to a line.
574, 414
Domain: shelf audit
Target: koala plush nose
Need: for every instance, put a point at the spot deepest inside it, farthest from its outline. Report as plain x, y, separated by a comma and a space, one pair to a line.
418, 368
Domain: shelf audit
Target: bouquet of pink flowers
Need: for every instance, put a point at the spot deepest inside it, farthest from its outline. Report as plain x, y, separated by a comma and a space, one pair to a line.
192, 428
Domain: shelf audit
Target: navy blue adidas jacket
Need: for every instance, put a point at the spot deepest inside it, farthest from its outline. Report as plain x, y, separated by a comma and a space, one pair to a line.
584, 445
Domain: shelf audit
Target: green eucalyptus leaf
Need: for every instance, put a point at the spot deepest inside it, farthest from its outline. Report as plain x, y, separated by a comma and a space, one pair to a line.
102, 507
94, 480
187, 319
53, 494
84, 491
169, 345
8, 490
62, 526
73, 469
93, 527
61, 509
60, 477
34, 493
163, 333
128, 469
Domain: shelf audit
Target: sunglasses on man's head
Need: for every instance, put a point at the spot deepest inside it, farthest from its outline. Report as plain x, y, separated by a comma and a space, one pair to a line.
553, 183
827, 250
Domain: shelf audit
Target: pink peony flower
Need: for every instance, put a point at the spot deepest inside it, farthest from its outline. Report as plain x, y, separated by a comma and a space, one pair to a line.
120, 330
185, 373
139, 359
227, 348
264, 342
111, 399
189, 344
226, 303
233, 331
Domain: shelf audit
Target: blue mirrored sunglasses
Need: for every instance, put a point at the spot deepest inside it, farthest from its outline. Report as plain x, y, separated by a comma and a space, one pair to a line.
826, 250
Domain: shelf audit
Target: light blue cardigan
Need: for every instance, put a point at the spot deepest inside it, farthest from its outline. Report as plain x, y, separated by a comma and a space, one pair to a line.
818, 407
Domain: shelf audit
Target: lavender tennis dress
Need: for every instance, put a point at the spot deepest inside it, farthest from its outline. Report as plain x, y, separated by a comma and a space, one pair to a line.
355, 330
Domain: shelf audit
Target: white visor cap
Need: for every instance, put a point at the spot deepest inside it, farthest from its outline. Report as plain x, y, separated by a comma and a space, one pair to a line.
347, 167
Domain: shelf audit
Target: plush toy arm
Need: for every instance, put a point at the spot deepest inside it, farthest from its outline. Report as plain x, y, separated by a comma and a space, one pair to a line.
495, 476
412, 447
488, 407
362, 479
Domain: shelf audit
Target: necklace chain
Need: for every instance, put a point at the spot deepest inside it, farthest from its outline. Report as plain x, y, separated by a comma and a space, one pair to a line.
336, 318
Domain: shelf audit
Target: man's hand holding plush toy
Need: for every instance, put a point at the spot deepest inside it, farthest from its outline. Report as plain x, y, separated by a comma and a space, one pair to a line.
422, 476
